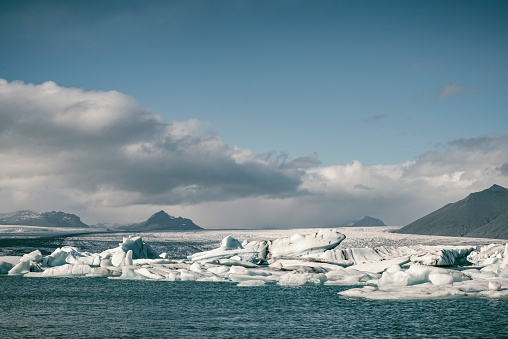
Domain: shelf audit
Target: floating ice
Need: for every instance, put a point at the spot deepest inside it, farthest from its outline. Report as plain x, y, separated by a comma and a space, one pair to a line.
405, 272
301, 245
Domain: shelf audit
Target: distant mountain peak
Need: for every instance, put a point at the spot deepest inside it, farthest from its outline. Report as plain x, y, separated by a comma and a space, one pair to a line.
497, 188
369, 221
161, 221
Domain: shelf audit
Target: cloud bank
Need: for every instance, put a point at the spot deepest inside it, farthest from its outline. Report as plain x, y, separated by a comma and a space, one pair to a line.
104, 157
102, 148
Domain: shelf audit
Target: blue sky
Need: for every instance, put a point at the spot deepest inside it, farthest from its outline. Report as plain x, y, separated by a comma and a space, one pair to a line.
381, 82
347, 80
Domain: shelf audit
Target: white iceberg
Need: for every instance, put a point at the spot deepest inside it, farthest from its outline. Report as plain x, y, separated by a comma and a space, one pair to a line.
258, 251
383, 272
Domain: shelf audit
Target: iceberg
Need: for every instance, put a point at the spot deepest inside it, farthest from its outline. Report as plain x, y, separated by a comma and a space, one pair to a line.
305, 245
383, 272
259, 251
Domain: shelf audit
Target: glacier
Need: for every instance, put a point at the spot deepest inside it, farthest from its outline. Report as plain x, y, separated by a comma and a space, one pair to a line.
379, 272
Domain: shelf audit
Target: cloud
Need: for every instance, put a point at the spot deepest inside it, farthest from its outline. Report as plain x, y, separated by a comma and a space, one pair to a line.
363, 187
397, 194
306, 162
452, 90
402, 193
487, 142
104, 157
449, 90
103, 149
504, 169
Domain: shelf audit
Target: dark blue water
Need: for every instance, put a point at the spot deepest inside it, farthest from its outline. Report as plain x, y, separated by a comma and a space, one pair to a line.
104, 308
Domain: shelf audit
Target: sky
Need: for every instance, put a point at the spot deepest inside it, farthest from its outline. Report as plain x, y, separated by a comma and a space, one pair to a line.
251, 114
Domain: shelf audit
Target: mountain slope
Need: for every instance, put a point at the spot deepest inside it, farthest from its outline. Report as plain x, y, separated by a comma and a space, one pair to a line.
480, 214
369, 221
161, 221
46, 219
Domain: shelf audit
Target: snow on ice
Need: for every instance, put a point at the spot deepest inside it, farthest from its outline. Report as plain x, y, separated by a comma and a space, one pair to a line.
382, 272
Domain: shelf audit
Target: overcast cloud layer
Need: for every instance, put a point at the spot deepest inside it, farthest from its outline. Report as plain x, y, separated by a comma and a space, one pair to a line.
104, 157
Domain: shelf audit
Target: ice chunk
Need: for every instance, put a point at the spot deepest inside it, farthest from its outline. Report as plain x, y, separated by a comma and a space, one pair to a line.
231, 262
68, 270
487, 255
230, 243
140, 250
379, 266
219, 270
462, 289
420, 274
300, 245
106, 262
494, 286
128, 273
505, 260
336, 256
118, 258
35, 256
298, 279
70, 255
444, 256
440, 279
424, 291
229, 248
349, 277
21, 268
145, 272
294, 264
188, 276
251, 283
257, 251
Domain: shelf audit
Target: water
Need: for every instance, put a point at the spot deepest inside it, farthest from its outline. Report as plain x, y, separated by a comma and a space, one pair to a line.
105, 308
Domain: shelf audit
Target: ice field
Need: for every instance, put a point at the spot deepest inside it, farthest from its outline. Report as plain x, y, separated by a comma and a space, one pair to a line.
372, 262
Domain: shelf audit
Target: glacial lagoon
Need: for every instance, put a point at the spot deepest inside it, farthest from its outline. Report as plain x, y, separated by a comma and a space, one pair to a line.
108, 308
308, 303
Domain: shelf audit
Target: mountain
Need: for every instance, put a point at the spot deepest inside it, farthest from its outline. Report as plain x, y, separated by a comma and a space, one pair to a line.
368, 221
482, 214
161, 221
364, 222
46, 219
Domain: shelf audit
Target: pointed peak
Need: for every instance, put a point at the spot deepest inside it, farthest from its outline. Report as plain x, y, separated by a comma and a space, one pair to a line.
497, 188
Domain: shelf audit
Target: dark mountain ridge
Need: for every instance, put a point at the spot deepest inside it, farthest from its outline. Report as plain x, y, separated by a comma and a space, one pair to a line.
369, 221
482, 214
46, 219
364, 222
161, 221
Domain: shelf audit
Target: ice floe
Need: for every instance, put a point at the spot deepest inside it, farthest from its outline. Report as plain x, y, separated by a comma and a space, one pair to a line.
383, 272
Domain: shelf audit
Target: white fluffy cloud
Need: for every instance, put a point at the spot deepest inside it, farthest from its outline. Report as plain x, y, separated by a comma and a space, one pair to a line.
398, 194
89, 148
104, 157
